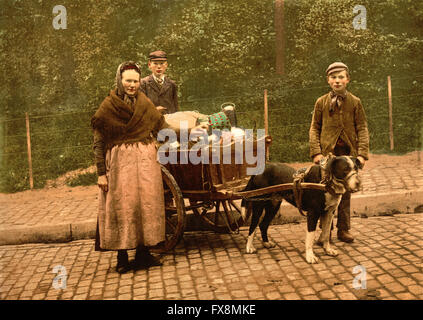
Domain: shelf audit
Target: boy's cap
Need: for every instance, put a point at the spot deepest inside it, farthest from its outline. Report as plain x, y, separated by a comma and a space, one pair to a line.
335, 67
157, 55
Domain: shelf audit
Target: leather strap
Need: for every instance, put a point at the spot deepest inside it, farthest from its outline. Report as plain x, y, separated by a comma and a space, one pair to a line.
297, 189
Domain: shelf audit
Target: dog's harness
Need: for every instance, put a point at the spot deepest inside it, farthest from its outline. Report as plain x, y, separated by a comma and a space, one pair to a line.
333, 184
345, 180
299, 176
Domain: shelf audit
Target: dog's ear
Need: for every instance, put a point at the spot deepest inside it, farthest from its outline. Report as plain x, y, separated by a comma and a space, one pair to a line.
327, 162
330, 166
357, 162
333, 174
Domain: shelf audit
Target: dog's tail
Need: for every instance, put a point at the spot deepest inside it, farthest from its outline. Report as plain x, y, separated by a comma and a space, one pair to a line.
244, 203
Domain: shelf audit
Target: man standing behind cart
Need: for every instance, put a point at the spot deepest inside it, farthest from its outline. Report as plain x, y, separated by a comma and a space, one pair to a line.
161, 90
339, 126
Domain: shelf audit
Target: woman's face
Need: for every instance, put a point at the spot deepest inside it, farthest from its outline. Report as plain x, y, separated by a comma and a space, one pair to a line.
130, 81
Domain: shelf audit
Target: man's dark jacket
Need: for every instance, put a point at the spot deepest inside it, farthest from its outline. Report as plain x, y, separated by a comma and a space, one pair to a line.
165, 96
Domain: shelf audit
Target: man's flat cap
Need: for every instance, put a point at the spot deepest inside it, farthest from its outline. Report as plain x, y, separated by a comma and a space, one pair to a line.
335, 67
157, 55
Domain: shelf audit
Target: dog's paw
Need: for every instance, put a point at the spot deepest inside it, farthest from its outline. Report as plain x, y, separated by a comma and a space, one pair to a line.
269, 244
331, 252
250, 249
311, 258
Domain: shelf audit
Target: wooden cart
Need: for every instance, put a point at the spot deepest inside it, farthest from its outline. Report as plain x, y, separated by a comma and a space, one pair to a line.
210, 191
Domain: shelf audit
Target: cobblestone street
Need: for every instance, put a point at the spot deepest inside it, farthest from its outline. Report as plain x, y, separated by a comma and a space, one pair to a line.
385, 262
205, 265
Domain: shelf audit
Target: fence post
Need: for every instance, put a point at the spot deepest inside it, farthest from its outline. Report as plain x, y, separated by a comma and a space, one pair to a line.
28, 142
391, 130
3, 143
266, 122
280, 34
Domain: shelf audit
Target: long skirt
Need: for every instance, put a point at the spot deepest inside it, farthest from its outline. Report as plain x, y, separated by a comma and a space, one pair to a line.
132, 212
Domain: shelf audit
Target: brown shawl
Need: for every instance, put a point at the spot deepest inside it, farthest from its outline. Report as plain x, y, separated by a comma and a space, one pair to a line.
119, 122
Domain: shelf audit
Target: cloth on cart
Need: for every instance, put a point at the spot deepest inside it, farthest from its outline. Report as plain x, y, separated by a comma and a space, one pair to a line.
193, 118
131, 213
224, 120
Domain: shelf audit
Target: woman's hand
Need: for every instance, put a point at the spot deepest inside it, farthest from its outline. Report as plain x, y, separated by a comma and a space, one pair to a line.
103, 183
161, 109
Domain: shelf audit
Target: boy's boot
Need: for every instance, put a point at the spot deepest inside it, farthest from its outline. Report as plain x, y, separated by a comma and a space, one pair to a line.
144, 259
344, 217
123, 265
345, 236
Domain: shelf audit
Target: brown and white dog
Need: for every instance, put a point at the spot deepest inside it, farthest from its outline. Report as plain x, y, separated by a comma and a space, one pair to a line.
339, 174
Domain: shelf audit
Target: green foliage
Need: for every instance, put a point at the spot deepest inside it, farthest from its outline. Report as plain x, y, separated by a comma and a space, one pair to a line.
218, 51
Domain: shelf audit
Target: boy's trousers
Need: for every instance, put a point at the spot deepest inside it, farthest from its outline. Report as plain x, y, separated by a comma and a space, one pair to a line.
344, 208
344, 212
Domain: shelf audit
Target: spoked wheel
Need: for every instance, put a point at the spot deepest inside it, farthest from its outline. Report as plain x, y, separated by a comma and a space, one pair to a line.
227, 220
175, 213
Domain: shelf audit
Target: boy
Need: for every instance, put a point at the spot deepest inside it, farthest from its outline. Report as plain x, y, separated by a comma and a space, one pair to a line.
339, 126
159, 88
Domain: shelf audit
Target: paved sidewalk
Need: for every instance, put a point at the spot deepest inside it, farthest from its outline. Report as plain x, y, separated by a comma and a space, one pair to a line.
384, 262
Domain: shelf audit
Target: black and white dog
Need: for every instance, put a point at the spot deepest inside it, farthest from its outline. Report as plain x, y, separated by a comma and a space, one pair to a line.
339, 174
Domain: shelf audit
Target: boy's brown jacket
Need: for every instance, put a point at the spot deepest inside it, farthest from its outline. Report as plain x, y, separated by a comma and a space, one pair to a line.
347, 122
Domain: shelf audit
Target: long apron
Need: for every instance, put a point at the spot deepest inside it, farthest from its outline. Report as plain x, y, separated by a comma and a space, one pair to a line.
132, 212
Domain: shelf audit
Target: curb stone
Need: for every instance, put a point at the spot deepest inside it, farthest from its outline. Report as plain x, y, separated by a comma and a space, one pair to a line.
382, 204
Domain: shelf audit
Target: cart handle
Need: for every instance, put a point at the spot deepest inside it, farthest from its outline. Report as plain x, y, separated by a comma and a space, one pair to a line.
275, 188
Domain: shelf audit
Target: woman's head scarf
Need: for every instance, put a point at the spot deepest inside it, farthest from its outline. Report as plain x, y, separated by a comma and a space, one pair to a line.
128, 65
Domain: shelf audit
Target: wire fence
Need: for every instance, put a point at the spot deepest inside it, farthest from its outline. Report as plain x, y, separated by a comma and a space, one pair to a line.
224, 98
62, 142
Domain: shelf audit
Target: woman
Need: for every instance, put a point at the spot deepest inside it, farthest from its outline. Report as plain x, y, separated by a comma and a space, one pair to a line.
131, 214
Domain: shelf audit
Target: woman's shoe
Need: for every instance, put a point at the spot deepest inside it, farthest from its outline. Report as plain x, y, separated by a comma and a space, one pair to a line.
144, 259
152, 261
123, 265
123, 269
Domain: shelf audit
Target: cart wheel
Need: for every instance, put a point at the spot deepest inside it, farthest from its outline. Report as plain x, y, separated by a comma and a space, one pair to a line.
175, 213
222, 222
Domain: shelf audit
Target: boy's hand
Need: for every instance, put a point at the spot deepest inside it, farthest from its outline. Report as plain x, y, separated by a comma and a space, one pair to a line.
362, 161
161, 109
317, 158
103, 183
